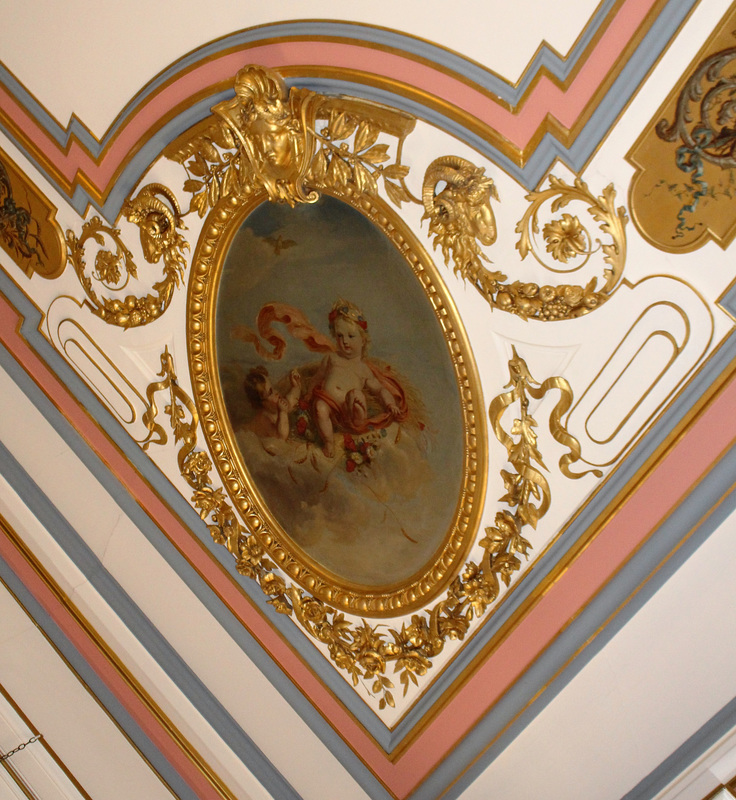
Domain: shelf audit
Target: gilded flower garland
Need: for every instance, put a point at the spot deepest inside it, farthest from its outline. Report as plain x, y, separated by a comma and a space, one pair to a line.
364, 650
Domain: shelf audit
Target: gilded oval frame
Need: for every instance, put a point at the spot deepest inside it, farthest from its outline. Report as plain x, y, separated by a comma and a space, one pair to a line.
219, 229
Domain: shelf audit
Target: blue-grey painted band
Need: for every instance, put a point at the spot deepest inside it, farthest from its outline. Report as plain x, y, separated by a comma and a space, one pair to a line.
145, 632
528, 175
728, 301
96, 685
666, 551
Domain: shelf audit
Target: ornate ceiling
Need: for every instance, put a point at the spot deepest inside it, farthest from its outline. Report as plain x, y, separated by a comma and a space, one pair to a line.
367, 401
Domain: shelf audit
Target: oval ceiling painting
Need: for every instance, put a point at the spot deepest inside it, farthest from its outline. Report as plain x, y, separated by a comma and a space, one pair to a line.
344, 400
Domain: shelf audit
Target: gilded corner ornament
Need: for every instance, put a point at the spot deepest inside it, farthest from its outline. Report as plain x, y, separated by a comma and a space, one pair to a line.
156, 212
368, 652
277, 148
28, 231
682, 192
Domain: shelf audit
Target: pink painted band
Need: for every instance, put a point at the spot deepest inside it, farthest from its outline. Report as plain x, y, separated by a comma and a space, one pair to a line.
646, 507
518, 127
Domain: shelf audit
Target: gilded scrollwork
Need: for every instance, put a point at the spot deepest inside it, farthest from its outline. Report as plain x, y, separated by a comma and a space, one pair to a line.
457, 200
156, 212
366, 651
567, 240
294, 144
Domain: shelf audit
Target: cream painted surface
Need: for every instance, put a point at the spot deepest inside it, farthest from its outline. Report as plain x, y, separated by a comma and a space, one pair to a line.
86, 82
179, 616
666, 673
73, 724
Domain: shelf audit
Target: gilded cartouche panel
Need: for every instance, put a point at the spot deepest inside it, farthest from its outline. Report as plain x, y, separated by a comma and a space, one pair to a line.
338, 587
682, 193
29, 233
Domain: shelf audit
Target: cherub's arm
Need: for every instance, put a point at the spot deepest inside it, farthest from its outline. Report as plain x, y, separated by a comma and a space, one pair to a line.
296, 389
282, 419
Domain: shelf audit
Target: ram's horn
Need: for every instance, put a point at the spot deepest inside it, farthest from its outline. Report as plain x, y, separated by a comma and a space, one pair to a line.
446, 168
156, 220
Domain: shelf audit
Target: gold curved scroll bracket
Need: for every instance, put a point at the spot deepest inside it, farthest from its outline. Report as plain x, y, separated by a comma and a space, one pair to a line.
155, 210
364, 650
29, 233
681, 195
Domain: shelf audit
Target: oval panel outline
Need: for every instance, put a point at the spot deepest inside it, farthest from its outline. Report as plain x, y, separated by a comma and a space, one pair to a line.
218, 232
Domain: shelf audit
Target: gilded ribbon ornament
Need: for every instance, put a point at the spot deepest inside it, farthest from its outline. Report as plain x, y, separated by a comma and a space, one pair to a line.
364, 650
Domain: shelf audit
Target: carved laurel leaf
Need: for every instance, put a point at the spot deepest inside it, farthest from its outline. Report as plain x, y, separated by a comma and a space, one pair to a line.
192, 185
376, 155
341, 125
364, 180
338, 173
366, 135
396, 171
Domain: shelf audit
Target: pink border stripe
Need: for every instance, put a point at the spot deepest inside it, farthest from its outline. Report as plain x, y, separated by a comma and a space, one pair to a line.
518, 126
690, 459
107, 673
221, 583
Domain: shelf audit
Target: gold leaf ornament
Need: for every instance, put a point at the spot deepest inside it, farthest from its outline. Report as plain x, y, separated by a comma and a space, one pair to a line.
565, 238
363, 650
156, 212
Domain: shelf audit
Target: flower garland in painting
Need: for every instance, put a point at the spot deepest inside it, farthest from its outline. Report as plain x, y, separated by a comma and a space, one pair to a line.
365, 651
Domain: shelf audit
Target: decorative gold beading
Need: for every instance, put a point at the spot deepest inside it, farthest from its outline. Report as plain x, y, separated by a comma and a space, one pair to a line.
362, 649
